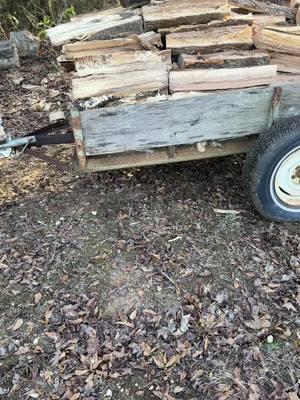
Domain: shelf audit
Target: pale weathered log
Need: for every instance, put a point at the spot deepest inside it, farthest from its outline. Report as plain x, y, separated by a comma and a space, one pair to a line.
211, 116
262, 7
8, 55
226, 78
183, 12
119, 63
97, 14
104, 27
286, 62
279, 39
210, 40
262, 20
224, 59
145, 41
232, 20
153, 78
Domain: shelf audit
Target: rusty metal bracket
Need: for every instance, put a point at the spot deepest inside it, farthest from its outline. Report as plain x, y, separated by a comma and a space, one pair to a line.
275, 105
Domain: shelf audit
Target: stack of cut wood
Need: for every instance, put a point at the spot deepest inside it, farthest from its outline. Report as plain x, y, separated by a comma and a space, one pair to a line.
177, 46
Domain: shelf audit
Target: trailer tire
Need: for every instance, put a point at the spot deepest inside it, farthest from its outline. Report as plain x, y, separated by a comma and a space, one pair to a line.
272, 172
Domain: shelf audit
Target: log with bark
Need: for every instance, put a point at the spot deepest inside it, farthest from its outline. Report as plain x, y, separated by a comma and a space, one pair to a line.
217, 79
120, 63
183, 12
210, 40
8, 55
261, 7
150, 79
224, 59
98, 26
279, 39
145, 41
232, 20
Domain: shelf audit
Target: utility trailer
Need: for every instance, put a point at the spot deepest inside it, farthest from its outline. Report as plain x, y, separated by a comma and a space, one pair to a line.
261, 121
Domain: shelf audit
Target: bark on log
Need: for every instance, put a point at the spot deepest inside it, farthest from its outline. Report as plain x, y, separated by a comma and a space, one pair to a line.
217, 79
233, 20
145, 41
210, 40
183, 12
265, 8
225, 59
104, 27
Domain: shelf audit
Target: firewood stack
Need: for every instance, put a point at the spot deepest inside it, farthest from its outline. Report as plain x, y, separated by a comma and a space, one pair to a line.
137, 54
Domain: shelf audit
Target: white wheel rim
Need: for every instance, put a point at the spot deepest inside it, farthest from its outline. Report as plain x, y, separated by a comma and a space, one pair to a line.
285, 182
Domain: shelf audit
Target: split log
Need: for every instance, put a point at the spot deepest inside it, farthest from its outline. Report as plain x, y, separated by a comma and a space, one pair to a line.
279, 39
104, 27
262, 20
145, 41
151, 79
227, 78
262, 7
210, 40
197, 118
97, 14
8, 55
119, 63
232, 20
286, 62
183, 12
225, 59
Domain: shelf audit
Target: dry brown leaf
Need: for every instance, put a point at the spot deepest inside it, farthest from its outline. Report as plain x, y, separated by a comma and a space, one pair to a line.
293, 396
48, 315
80, 372
173, 361
37, 298
133, 315
17, 325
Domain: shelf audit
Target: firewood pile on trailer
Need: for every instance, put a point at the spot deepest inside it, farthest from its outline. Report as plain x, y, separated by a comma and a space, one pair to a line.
161, 48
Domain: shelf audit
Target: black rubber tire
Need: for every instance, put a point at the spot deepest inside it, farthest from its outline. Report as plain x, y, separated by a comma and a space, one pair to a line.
270, 148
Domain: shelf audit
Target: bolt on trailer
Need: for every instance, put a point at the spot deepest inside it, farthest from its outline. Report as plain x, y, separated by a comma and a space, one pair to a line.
263, 122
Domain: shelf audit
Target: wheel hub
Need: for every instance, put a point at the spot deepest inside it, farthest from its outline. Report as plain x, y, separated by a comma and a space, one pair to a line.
287, 179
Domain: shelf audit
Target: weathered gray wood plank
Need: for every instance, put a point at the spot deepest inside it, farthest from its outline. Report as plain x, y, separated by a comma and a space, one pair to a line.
189, 120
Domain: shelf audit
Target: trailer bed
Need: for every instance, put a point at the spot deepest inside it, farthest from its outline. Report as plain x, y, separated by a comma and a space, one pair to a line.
145, 134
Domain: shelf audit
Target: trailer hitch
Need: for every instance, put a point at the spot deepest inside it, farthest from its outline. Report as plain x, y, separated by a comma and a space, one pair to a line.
49, 135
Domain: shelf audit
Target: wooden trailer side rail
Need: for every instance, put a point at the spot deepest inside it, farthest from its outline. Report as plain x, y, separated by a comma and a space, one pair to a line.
168, 131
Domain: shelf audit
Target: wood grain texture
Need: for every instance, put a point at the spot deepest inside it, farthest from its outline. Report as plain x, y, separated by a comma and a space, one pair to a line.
262, 20
183, 12
279, 39
151, 79
262, 7
145, 41
119, 63
286, 62
210, 40
184, 121
216, 79
224, 59
104, 27
232, 20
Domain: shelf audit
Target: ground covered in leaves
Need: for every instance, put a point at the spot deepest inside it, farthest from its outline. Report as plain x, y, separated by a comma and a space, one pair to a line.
131, 284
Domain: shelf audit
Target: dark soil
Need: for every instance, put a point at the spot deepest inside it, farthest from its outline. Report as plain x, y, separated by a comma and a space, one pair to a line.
129, 284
